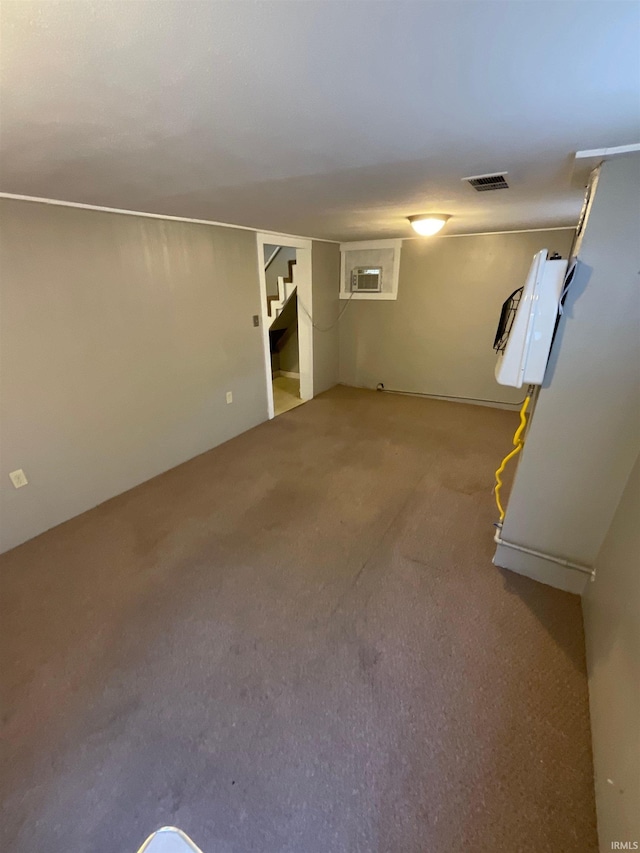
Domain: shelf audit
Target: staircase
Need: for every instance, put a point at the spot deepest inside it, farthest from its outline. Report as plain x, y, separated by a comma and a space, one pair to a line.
286, 289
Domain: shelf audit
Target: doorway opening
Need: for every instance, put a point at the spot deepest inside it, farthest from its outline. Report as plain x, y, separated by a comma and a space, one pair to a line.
285, 283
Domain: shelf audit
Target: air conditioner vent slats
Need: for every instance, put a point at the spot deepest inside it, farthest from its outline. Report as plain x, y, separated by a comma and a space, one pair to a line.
483, 183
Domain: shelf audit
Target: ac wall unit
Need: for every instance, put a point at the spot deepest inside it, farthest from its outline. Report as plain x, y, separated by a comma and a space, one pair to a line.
366, 280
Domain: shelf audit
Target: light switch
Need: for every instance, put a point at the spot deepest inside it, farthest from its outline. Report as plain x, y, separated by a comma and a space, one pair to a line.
229, 397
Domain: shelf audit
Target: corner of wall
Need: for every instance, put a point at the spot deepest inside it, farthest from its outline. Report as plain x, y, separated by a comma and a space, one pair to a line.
612, 640
325, 263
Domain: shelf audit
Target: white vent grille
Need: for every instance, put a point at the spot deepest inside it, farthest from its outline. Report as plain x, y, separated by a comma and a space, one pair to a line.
484, 183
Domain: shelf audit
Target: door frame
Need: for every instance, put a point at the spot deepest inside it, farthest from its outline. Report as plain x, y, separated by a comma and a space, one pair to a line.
305, 322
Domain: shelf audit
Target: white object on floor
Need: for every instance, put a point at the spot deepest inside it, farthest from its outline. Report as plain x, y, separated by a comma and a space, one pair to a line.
169, 839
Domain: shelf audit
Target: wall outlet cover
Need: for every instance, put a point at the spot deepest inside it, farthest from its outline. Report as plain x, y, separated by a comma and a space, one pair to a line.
229, 397
18, 478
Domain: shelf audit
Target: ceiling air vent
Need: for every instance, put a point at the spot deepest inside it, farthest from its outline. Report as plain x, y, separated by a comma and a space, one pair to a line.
483, 183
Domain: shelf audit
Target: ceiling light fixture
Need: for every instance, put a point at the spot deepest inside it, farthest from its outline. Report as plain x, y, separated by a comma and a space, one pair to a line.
428, 224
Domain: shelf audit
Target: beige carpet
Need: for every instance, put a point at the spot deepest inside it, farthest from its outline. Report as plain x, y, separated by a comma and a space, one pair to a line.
297, 642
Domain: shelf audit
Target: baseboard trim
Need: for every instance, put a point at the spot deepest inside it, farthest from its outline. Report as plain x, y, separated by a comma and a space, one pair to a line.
539, 569
290, 374
469, 401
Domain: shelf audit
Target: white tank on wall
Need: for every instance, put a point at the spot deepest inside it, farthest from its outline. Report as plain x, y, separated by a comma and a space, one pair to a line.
527, 324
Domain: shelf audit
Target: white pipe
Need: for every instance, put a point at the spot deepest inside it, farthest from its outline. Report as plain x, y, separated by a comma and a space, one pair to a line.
549, 557
608, 152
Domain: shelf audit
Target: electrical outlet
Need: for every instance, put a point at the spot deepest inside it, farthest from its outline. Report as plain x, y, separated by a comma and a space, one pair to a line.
18, 478
256, 320
229, 397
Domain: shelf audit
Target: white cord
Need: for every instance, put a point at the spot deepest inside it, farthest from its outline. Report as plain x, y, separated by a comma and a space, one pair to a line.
336, 321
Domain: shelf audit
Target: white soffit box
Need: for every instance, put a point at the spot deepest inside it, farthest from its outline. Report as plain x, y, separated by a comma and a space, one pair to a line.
375, 255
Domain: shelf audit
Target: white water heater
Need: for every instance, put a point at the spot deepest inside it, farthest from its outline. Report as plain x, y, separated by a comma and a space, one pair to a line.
527, 323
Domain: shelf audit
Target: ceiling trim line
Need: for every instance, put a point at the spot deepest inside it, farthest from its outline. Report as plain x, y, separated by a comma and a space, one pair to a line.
140, 213
488, 233
146, 215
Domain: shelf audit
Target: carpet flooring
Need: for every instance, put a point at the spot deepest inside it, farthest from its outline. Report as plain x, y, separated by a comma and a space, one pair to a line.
297, 643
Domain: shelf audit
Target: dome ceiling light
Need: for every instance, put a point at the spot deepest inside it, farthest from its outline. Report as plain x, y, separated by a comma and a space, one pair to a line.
428, 224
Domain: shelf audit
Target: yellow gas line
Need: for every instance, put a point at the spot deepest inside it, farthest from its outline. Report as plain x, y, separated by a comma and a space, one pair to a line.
518, 444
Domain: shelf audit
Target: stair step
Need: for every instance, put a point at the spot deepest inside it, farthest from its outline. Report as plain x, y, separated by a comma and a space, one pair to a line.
275, 304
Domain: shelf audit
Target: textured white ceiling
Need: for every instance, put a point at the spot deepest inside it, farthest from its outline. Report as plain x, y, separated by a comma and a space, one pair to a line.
330, 119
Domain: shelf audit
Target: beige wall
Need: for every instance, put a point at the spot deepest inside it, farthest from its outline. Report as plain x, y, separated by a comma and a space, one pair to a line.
585, 431
325, 265
612, 633
289, 353
437, 337
119, 338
